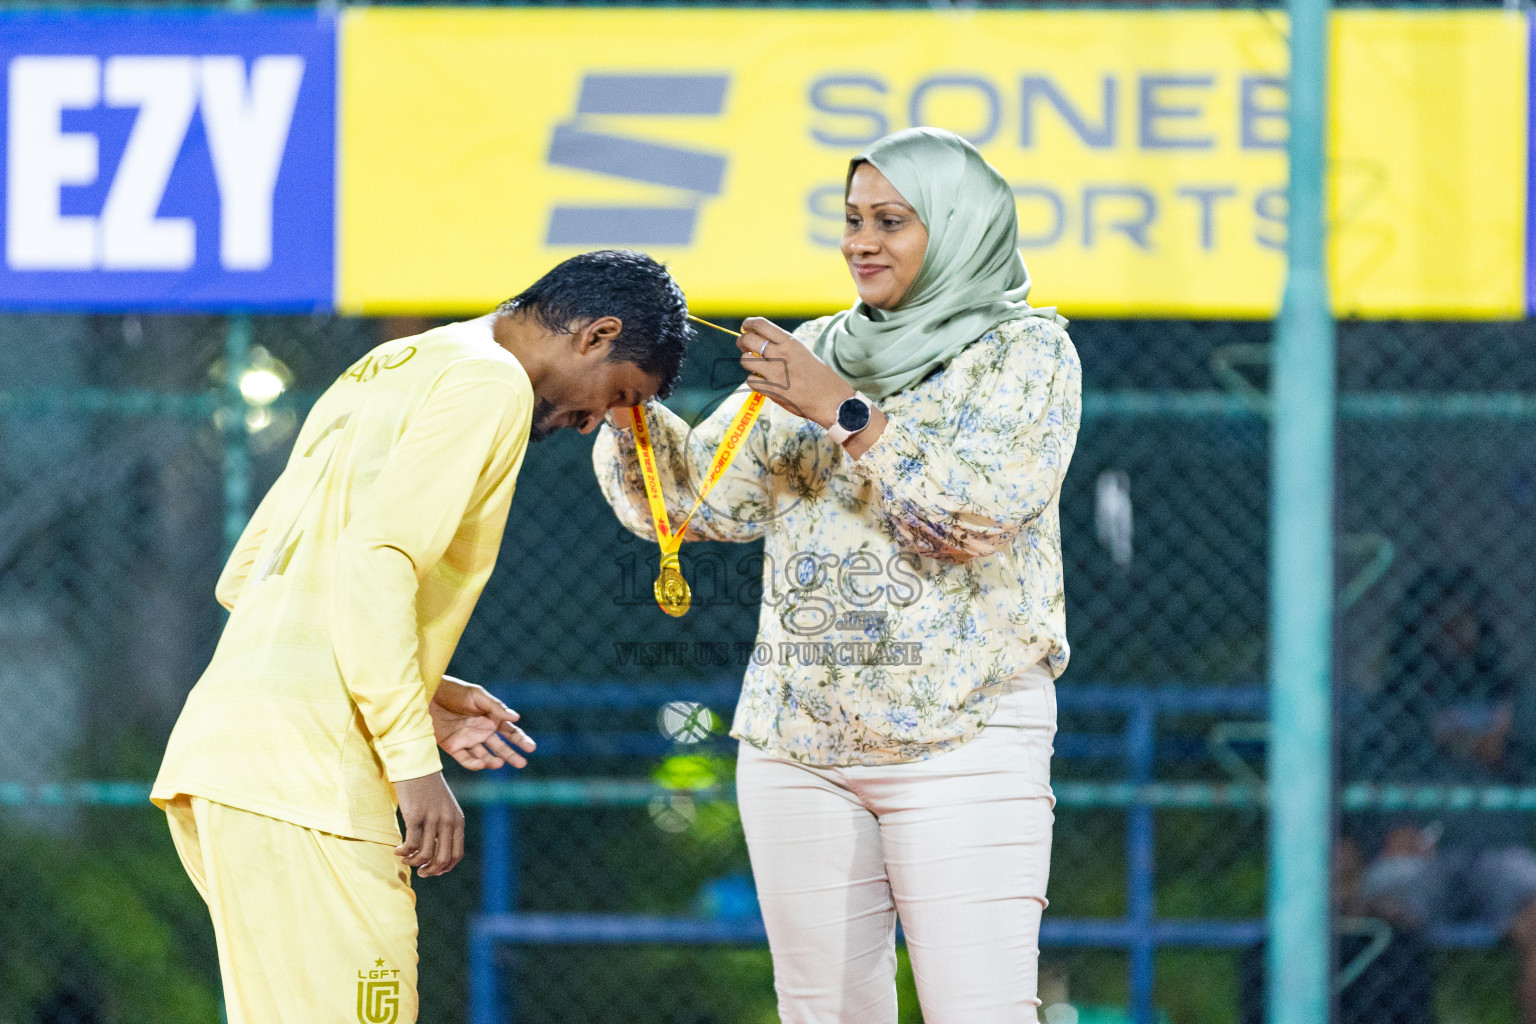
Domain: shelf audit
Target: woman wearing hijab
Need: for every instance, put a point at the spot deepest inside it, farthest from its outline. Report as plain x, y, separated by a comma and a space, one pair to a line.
897, 742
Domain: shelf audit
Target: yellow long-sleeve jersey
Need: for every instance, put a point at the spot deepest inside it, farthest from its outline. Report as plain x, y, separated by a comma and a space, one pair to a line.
352, 584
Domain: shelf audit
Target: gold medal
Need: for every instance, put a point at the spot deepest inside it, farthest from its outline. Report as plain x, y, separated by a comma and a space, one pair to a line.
671, 589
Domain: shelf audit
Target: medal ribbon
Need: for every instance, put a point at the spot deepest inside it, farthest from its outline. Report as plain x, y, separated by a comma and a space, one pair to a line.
735, 436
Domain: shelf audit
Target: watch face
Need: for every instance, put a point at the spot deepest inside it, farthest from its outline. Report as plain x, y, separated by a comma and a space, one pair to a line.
853, 415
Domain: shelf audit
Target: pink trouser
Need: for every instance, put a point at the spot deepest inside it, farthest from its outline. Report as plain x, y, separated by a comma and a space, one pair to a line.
959, 845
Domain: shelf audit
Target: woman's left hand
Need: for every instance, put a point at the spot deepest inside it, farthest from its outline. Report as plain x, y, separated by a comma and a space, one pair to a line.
787, 373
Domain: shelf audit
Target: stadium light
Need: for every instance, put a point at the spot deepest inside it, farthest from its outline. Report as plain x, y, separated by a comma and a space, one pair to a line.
264, 379
261, 386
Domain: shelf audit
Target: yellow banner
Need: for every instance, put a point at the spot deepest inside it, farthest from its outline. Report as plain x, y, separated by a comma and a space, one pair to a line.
481, 146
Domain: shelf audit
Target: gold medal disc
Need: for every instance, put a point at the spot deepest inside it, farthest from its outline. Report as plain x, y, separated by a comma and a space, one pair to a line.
672, 590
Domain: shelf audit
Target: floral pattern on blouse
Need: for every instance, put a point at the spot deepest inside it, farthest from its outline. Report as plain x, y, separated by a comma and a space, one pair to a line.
902, 591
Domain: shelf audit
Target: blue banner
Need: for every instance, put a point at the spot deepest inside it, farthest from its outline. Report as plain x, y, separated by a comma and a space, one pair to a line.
167, 161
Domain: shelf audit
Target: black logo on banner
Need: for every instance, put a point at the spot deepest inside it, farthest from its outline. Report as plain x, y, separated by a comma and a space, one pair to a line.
589, 143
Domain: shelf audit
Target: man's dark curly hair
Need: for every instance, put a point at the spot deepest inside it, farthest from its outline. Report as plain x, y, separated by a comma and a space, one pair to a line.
620, 283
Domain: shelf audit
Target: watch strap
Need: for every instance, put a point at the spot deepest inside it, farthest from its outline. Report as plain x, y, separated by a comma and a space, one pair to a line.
839, 433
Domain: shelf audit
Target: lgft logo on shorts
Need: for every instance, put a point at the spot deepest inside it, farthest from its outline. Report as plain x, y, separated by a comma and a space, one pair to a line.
378, 994
591, 141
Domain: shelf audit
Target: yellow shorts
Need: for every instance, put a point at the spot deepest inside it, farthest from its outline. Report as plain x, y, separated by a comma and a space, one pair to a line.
311, 928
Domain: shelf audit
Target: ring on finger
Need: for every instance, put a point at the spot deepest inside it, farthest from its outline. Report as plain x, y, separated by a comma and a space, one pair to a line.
763, 349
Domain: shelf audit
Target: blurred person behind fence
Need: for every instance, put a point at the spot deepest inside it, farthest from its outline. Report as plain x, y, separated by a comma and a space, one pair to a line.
896, 743
325, 702
1446, 713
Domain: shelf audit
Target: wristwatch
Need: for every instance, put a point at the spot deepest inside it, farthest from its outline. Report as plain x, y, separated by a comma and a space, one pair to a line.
852, 417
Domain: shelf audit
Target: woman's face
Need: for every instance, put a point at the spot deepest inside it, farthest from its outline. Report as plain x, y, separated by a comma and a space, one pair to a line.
883, 241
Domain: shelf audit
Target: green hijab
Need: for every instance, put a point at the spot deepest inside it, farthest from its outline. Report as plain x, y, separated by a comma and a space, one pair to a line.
972, 278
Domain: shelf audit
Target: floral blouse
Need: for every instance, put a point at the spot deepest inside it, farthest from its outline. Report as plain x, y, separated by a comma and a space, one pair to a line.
903, 590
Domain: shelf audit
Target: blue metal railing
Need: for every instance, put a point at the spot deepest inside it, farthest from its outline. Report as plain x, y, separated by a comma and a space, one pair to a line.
1140, 933
1137, 743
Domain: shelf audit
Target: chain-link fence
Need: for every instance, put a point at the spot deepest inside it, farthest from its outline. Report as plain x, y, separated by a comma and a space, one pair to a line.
609, 881
114, 475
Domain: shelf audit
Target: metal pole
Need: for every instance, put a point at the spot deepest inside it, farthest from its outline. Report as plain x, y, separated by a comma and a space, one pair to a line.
237, 440
1140, 853
237, 451
1301, 561
498, 886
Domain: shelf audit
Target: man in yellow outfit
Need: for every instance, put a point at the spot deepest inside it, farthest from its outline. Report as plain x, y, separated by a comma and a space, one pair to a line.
325, 701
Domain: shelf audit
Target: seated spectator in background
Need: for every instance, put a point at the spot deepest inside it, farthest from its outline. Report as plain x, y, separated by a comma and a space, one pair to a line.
1445, 715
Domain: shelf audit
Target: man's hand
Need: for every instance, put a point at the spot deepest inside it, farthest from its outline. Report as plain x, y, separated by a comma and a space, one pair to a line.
434, 825
476, 729
1407, 841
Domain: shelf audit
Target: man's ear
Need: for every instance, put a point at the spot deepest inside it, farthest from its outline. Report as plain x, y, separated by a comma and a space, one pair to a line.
598, 334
